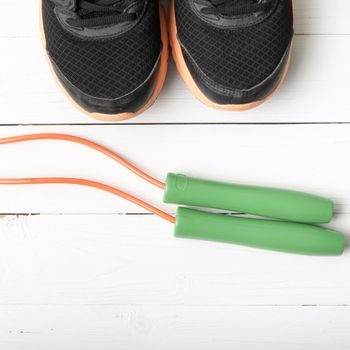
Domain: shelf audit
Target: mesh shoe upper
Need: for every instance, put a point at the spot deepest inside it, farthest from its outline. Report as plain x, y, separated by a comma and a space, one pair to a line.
105, 68
237, 58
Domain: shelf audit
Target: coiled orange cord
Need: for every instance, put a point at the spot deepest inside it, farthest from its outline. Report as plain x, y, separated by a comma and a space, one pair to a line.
83, 182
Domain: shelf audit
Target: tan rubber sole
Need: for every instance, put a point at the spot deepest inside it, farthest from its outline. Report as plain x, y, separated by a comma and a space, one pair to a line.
187, 77
159, 80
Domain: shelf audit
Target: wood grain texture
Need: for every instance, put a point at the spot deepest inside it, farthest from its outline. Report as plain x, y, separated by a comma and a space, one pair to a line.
312, 17
311, 93
135, 260
91, 271
301, 157
160, 327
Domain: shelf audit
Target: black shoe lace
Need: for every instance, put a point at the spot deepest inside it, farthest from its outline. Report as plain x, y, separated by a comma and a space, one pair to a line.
94, 13
236, 7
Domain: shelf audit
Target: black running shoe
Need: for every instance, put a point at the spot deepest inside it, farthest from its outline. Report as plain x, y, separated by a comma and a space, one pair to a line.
109, 56
232, 54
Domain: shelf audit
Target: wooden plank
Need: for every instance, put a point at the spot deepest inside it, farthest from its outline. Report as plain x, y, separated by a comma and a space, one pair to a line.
302, 157
312, 17
101, 279
159, 327
321, 17
134, 260
314, 92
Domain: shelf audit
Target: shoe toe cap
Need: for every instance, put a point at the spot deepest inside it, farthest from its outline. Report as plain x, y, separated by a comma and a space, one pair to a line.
225, 94
117, 102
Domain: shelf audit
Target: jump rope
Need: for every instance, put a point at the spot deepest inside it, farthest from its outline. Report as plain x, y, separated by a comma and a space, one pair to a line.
296, 213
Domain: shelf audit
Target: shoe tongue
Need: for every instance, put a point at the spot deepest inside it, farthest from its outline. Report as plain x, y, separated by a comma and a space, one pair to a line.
243, 5
119, 3
111, 2
233, 2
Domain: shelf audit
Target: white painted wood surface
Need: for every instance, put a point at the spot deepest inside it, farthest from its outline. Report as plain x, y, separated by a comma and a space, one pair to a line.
311, 94
302, 157
90, 271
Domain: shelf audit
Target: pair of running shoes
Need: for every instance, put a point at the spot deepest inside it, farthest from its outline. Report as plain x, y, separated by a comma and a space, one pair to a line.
110, 57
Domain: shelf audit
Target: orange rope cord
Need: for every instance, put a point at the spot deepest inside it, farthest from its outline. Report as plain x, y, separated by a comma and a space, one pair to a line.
90, 144
88, 183
83, 182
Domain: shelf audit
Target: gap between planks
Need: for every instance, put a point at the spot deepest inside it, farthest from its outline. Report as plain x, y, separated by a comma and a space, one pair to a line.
176, 124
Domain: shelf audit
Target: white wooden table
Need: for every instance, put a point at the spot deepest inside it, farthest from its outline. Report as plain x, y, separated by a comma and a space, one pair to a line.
80, 269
